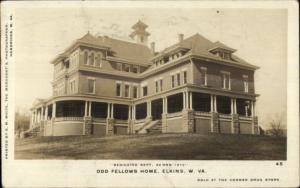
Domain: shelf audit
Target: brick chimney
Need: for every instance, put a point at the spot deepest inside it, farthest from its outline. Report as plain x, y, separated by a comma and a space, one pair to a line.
180, 37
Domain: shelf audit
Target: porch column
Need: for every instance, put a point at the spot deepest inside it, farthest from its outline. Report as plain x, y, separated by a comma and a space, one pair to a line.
42, 113
165, 105
149, 109
191, 100
133, 112
232, 108
184, 100
86, 108
215, 104
37, 116
112, 110
90, 108
108, 110
54, 110
187, 100
129, 112
252, 115
46, 113
252, 108
211, 103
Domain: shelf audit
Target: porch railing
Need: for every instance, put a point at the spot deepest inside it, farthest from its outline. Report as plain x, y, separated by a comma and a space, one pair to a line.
69, 119
100, 120
138, 121
201, 113
225, 116
246, 118
175, 114
119, 121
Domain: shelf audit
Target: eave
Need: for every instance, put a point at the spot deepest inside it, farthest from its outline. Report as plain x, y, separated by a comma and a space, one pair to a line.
224, 62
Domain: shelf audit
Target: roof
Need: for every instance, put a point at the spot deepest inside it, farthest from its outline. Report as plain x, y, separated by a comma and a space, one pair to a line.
132, 52
137, 53
220, 45
200, 46
139, 24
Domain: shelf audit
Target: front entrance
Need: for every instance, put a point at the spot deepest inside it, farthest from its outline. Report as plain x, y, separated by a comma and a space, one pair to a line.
156, 109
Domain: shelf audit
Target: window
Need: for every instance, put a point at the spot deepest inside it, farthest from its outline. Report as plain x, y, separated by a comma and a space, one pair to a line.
184, 77
225, 80
92, 59
118, 90
161, 84
203, 76
246, 83
145, 91
173, 81
127, 90
85, 58
98, 60
67, 64
135, 91
156, 86
91, 85
119, 66
127, 68
226, 56
135, 69
178, 79
72, 86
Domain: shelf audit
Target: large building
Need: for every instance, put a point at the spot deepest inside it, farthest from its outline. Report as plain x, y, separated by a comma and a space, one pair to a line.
105, 86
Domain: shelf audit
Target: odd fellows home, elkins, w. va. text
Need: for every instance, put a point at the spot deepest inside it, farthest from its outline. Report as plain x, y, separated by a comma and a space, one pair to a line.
105, 86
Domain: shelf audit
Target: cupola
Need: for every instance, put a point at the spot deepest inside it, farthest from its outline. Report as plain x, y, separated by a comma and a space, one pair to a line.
139, 33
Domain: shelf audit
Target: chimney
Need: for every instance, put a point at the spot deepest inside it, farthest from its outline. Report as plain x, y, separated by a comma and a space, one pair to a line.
153, 47
180, 37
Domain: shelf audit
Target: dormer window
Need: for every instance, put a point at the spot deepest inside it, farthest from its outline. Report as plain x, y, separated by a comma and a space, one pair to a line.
127, 68
135, 69
222, 50
119, 66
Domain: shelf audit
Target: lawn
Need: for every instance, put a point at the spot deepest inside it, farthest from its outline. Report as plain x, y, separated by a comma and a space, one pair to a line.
156, 146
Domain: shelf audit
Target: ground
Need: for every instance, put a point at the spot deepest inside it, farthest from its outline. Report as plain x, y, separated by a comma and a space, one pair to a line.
156, 146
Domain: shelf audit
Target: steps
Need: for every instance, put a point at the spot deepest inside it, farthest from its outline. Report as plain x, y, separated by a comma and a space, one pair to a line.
155, 128
32, 132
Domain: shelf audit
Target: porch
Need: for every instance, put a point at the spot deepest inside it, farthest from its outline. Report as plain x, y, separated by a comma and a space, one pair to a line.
185, 111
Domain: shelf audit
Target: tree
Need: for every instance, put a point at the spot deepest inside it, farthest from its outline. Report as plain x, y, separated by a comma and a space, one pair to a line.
276, 127
22, 122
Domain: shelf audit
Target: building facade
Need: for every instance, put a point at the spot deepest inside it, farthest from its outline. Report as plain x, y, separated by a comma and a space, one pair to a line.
105, 86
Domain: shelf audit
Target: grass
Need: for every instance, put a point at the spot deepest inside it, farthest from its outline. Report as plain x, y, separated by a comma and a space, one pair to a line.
156, 146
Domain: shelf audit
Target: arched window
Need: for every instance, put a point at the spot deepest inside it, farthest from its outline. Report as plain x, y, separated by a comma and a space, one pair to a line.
85, 58
98, 60
92, 59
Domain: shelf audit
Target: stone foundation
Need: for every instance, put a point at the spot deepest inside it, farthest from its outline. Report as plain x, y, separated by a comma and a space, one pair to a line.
110, 127
255, 124
215, 122
164, 123
236, 124
88, 126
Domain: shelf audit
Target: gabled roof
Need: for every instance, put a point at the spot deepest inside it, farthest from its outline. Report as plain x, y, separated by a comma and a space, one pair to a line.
219, 45
132, 52
200, 46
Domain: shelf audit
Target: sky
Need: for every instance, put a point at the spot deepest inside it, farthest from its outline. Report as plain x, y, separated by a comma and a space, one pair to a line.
259, 35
